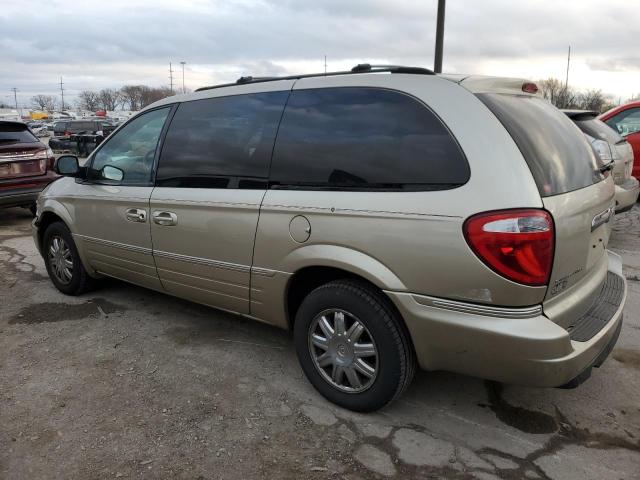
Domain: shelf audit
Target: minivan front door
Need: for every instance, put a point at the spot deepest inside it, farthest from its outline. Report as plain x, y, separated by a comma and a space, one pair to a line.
211, 179
112, 205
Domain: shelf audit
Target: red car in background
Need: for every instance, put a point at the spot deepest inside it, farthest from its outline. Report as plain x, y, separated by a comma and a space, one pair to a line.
26, 166
625, 119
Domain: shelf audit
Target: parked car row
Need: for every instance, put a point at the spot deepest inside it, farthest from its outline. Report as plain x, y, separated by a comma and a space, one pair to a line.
390, 217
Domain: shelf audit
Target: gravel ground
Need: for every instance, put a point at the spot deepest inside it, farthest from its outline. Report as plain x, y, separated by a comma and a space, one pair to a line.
128, 383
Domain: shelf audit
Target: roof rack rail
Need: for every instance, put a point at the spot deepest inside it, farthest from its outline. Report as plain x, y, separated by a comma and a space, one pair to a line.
360, 68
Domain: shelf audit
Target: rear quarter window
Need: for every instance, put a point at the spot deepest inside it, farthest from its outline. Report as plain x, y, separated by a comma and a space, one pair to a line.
598, 129
350, 138
557, 152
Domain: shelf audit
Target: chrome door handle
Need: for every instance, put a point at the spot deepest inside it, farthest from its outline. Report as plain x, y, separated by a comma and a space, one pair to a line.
136, 215
165, 218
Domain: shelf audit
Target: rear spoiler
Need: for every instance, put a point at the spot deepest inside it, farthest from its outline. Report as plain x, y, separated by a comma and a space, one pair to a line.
488, 84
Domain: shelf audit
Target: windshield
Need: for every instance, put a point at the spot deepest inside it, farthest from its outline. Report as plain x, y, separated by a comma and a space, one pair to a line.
16, 133
557, 152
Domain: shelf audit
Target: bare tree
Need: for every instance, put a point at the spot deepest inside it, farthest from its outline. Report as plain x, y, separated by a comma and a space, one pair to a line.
109, 98
139, 96
44, 102
556, 92
131, 96
89, 100
591, 100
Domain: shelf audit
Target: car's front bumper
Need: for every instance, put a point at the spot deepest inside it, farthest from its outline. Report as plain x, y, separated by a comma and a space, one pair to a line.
627, 195
522, 346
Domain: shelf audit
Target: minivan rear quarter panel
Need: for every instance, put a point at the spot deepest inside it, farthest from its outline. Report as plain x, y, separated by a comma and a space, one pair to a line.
417, 236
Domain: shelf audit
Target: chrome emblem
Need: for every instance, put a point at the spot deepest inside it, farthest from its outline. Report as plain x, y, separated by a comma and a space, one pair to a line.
602, 217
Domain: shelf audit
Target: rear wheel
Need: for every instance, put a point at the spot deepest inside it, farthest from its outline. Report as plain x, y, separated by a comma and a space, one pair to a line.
352, 346
63, 261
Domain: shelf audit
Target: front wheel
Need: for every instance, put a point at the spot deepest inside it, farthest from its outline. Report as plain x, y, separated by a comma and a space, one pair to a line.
352, 346
63, 261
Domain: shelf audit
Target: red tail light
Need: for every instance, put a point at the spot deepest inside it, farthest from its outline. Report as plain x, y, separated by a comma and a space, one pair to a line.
517, 244
67, 133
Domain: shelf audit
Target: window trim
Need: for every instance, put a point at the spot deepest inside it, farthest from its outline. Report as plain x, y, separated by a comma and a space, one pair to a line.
405, 187
172, 108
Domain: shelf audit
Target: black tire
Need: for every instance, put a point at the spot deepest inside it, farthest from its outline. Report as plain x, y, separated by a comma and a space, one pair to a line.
80, 281
395, 364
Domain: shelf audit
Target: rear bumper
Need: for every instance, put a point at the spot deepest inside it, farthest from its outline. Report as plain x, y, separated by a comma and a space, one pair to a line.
20, 197
627, 195
520, 347
23, 191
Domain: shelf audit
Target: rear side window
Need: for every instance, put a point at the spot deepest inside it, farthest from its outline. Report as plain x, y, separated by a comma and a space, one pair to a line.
557, 152
223, 142
364, 138
15, 133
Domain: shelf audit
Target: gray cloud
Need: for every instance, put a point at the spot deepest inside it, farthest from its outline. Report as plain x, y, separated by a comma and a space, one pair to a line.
97, 44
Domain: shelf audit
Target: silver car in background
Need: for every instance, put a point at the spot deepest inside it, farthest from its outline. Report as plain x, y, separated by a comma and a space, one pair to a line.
612, 149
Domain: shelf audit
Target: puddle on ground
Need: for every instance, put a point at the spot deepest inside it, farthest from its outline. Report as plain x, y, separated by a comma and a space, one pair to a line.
528, 421
628, 357
49, 312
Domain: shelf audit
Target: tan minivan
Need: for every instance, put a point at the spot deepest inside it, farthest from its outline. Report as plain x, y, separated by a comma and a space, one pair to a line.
390, 217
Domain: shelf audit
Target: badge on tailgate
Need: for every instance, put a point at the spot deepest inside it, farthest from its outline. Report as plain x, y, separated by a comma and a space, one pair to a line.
602, 217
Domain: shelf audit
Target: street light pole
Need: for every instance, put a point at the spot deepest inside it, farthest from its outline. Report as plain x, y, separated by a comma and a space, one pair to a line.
437, 63
183, 63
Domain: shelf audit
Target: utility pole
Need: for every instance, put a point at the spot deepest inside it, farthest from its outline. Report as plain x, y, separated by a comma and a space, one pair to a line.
566, 82
325, 64
62, 94
15, 96
183, 63
437, 62
170, 78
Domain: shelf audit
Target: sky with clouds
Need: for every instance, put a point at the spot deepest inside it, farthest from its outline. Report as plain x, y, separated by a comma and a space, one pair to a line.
94, 45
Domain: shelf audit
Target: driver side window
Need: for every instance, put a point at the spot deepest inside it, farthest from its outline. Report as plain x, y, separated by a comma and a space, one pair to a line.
127, 157
626, 122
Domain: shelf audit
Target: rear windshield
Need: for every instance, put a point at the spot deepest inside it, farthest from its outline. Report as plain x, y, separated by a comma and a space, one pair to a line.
557, 152
598, 129
16, 133
81, 126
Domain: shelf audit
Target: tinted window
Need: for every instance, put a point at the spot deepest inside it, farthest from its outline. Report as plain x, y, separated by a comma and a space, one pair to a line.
364, 138
223, 142
15, 133
132, 149
557, 152
600, 130
626, 122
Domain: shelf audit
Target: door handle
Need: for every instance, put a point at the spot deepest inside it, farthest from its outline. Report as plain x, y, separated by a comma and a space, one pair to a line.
165, 218
136, 215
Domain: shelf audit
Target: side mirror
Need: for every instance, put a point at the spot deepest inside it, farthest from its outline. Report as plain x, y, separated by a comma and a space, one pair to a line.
67, 165
112, 173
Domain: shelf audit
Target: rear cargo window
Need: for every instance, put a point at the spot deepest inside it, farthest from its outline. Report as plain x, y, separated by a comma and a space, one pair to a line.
557, 152
16, 133
598, 129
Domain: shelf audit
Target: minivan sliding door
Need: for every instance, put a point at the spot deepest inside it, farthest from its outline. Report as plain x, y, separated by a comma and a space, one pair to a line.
211, 179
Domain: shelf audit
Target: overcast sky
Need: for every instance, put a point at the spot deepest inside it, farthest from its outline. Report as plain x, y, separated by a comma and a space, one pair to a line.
97, 44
